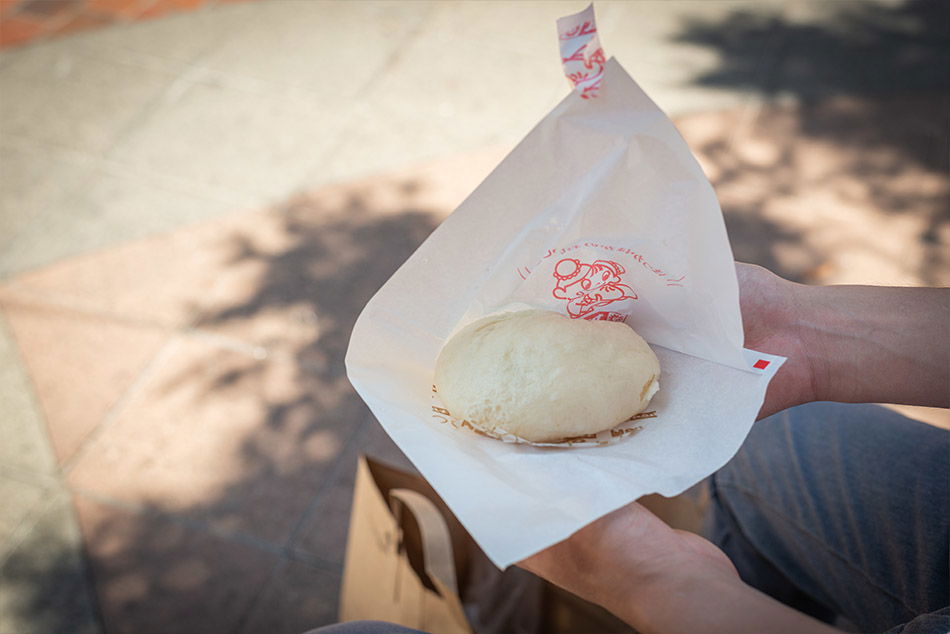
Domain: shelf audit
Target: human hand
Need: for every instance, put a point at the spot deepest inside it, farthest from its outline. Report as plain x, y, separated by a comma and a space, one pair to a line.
770, 306
662, 580
626, 559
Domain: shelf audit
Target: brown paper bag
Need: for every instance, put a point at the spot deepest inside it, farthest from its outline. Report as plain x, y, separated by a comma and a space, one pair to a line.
400, 561
409, 561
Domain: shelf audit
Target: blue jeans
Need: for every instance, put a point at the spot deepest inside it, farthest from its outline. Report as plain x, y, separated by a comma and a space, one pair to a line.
364, 627
841, 511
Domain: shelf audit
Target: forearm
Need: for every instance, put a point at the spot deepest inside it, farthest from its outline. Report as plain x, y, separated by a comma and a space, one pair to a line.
876, 344
713, 604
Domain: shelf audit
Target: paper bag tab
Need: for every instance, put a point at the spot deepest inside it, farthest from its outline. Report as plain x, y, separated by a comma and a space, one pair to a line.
581, 54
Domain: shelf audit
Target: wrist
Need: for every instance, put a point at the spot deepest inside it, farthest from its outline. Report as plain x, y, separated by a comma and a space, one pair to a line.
657, 603
711, 601
875, 344
804, 315
778, 326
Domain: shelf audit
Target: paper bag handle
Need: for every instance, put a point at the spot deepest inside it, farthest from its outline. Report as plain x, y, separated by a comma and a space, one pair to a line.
436, 541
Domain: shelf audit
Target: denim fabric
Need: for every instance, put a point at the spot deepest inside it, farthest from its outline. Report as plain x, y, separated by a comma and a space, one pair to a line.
841, 511
364, 627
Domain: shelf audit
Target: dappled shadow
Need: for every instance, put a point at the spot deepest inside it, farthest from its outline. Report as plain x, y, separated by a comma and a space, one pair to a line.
851, 175
255, 411
234, 519
45, 585
843, 48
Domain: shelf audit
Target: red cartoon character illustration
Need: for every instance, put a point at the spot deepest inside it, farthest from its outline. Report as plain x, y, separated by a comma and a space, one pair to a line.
588, 287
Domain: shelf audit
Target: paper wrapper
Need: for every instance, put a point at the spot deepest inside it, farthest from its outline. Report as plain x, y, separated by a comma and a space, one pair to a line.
601, 212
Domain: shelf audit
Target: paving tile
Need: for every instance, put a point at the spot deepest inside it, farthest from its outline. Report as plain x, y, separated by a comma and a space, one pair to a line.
213, 268
153, 574
79, 365
252, 143
324, 533
416, 111
90, 208
33, 180
75, 102
297, 599
25, 447
44, 582
172, 43
223, 437
20, 499
275, 42
108, 209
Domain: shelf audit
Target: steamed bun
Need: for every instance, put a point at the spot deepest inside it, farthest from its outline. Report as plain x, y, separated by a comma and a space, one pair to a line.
544, 377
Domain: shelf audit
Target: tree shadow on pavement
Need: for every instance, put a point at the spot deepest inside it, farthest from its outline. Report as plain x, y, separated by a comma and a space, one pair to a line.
232, 515
44, 581
252, 406
853, 134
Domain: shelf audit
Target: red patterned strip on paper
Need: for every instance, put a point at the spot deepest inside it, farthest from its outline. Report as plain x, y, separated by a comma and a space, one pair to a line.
581, 54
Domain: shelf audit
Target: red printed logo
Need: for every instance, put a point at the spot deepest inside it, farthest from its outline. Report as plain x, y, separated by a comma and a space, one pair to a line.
589, 287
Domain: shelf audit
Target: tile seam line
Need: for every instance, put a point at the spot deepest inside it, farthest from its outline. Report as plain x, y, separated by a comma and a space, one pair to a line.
88, 571
205, 75
314, 561
318, 497
277, 566
340, 134
410, 38
28, 523
195, 68
108, 420
49, 480
152, 105
28, 478
57, 472
141, 117
31, 300
112, 167
190, 327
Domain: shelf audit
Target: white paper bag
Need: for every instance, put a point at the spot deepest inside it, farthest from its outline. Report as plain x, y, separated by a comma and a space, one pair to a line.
601, 212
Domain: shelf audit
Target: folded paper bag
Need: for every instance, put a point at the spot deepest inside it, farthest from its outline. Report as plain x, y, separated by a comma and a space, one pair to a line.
409, 561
